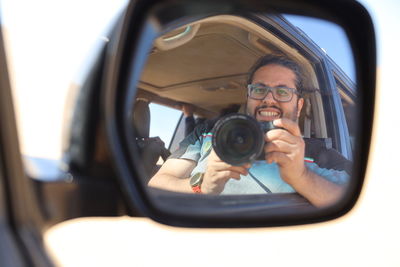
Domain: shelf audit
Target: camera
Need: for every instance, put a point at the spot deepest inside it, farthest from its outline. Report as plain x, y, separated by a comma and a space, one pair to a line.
239, 138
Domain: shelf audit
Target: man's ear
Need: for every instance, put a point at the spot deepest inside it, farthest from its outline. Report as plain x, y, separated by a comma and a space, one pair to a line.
300, 103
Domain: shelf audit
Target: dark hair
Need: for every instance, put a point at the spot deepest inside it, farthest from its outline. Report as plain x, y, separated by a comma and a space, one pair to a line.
230, 109
282, 61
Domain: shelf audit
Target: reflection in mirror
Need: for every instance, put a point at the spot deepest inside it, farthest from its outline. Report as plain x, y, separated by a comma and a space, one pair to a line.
206, 100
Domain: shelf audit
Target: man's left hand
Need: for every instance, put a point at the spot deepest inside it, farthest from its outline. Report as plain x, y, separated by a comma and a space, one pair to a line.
286, 148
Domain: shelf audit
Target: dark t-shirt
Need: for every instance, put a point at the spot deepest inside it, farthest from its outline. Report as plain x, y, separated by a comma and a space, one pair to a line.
191, 123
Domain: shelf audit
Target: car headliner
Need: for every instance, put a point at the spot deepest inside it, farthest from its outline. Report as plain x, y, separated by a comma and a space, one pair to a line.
210, 71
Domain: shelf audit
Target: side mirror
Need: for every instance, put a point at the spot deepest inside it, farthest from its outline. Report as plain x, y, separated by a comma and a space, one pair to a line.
152, 60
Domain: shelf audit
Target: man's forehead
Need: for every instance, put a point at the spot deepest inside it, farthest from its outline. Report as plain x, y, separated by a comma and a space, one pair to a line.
274, 73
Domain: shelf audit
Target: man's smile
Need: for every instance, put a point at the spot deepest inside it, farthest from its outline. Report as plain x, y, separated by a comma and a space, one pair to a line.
267, 113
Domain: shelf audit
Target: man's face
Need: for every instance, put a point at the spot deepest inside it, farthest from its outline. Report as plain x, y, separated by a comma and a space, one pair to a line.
269, 109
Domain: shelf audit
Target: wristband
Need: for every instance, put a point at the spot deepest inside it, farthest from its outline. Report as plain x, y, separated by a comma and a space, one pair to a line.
195, 182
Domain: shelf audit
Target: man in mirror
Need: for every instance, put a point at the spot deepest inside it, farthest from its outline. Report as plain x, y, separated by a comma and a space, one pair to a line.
292, 163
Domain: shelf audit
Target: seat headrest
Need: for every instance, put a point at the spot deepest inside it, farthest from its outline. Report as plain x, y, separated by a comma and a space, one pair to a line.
141, 118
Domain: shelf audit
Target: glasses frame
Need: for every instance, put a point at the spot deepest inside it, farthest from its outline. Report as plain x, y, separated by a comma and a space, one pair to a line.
250, 88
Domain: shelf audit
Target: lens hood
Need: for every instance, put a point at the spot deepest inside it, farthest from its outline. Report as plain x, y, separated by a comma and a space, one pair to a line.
238, 139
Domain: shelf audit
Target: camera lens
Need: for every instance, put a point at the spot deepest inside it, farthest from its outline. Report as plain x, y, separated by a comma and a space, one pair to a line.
237, 139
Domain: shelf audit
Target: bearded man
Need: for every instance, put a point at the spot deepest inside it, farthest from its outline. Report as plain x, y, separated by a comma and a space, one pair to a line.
291, 164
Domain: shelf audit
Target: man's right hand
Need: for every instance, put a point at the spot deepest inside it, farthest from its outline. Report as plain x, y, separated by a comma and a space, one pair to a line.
218, 173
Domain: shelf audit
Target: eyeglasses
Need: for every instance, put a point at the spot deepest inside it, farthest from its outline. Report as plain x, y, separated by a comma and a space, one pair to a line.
280, 93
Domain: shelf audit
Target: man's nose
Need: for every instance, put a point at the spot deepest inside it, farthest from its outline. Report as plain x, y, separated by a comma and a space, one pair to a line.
269, 99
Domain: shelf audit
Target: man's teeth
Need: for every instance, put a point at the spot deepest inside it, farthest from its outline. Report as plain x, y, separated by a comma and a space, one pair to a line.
268, 113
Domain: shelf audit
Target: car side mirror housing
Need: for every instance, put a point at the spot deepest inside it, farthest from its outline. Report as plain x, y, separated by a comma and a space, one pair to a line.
180, 22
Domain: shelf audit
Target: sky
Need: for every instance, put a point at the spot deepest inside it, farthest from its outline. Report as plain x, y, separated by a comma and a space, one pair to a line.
48, 44
330, 37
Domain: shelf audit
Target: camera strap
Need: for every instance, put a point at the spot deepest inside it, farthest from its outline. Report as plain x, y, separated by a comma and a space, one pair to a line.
266, 189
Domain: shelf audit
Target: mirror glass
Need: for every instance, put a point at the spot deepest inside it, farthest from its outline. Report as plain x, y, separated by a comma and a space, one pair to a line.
204, 100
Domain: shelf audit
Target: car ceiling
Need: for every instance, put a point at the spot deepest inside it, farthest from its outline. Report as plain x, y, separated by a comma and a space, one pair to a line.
209, 71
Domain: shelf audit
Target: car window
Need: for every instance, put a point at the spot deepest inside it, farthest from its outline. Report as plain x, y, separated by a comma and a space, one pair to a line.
163, 122
178, 135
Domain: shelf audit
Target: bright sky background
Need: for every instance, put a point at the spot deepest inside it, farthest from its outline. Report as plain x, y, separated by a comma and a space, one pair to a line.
49, 42
330, 37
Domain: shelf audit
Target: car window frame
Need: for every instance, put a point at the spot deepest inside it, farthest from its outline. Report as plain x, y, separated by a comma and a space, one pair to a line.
335, 111
344, 84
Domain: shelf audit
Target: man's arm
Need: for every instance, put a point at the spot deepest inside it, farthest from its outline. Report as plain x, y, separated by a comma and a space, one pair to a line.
286, 148
318, 190
174, 175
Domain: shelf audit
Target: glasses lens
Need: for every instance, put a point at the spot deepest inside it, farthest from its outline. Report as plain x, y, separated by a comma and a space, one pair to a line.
282, 93
258, 91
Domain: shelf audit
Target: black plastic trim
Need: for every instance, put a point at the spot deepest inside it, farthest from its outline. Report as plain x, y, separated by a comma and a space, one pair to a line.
348, 14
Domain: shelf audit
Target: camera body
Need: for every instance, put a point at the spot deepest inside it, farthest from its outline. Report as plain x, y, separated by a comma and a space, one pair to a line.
239, 138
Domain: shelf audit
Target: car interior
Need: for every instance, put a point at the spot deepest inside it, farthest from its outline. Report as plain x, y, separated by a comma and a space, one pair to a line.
205, 64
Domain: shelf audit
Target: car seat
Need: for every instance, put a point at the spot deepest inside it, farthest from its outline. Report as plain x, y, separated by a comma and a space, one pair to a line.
150, 148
